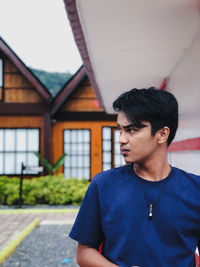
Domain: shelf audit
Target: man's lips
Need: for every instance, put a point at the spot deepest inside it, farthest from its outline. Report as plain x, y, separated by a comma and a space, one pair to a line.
124, 151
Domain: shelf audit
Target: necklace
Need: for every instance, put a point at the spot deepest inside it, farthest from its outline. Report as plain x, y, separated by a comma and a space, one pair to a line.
150, 204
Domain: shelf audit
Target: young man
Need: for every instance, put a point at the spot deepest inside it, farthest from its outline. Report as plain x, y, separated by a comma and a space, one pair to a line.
146, 213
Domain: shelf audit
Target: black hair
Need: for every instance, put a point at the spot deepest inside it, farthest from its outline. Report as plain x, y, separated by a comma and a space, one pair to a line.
159, 108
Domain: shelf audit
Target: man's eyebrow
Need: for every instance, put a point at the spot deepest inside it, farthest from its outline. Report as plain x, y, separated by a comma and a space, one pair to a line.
131, 125
126, 126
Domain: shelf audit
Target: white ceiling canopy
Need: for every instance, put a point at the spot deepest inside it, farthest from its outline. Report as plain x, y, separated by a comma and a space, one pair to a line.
137, 43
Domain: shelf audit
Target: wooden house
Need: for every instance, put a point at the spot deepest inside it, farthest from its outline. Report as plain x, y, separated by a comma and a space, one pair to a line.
24, 114
75, 122
83, 130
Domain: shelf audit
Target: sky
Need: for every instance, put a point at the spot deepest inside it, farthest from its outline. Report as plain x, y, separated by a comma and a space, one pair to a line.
38, 31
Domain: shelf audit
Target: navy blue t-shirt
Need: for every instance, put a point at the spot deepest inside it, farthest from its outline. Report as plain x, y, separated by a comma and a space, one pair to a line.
115, 211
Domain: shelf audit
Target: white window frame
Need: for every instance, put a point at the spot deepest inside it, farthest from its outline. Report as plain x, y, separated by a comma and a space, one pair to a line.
17, 149
77, 146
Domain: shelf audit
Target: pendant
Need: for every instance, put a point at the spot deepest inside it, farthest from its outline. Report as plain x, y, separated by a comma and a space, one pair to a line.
150, 211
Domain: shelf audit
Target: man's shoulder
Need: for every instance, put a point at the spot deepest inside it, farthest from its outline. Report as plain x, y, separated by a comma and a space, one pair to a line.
112, 174
187, 175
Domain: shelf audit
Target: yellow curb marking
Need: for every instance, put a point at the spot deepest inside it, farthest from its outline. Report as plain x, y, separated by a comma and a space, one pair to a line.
7, 251
7, 211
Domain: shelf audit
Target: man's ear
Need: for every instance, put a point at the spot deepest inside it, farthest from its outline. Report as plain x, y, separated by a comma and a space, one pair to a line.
163, 135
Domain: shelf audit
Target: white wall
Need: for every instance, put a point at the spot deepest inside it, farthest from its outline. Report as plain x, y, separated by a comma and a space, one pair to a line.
184, 83
186, 160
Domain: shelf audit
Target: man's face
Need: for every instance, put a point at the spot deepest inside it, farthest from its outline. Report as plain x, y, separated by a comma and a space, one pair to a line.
137, 145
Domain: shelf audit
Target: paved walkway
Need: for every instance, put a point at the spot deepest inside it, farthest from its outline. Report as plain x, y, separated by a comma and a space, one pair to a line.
14, 221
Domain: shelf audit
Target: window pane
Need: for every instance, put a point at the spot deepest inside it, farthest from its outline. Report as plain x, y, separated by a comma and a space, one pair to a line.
73, 136
78, 150
80, 161
80, 173
80, 136
20, 158
106, 157
21, 140
66, 148
117, 134
107, 148
86, 161
106, 167
67, 161
73, 173
86, 174
1, 140
32, 160
73, 161
9, 140
86, 136
33, 140
106, 145
66, 136
86, 149
67, 172
107, 133
117, 148
73, 149
9, 163
18, 141
117, 160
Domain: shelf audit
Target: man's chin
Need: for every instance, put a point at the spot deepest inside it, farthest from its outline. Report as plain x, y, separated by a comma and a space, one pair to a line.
128, 160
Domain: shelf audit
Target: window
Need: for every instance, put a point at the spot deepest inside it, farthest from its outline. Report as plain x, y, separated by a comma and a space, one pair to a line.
111, 150
118, 158
107, 148
1, 79
77, 148
17, 147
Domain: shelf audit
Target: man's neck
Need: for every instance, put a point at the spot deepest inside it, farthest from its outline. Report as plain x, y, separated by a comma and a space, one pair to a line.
152, 172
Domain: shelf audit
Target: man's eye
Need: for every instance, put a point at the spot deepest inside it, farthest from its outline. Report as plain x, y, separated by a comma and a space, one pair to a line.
132, 130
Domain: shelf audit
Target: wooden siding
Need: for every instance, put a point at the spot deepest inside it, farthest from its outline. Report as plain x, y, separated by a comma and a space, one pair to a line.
1, 93
9, 67
17, 89
21, 96
83, 99
25, 122
96, 141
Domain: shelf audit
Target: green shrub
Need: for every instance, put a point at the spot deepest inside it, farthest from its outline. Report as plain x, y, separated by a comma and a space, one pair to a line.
51, 190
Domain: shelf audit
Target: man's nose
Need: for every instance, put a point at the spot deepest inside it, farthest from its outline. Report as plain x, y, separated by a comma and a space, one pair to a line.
123, 138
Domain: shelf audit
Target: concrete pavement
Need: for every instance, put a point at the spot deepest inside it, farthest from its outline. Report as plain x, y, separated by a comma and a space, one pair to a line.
14, 221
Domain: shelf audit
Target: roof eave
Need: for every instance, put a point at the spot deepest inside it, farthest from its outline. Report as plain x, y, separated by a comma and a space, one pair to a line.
68, 89
73, 17
24, 70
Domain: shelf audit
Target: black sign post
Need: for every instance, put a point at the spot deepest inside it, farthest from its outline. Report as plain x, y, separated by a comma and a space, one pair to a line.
21, 185
36, 169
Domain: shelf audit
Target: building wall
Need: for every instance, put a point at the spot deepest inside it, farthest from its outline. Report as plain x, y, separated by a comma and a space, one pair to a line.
83, 99
18, 122
184, 83
17, 89
15, 119
96, 140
